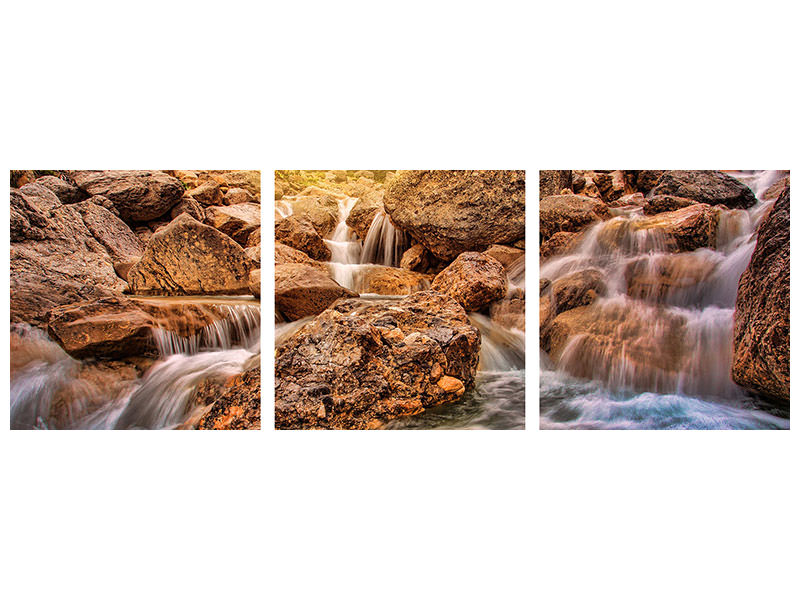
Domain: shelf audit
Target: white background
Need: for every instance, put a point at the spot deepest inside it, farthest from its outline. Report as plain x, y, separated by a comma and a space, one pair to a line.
354, 85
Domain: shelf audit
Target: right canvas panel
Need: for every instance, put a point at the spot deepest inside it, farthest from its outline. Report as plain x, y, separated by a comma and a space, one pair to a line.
664, 299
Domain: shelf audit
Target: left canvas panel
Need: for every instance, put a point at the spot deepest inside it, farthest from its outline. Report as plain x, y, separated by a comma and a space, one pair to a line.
135, 299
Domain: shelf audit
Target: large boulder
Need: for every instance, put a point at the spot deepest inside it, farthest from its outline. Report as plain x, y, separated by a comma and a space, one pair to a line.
286, 254
362, 363
389, 281
505, 255
67, 192
138, 195
660, 203
577, 289
237, 220
451, 212
708, 187
473, 280
299, 233
190, 206
569, 212
303, 291
761, 320
247, 180
189, 258
208, 193
56, 258
320, 207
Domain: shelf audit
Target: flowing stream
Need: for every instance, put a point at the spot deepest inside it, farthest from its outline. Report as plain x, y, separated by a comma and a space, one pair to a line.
45, 380
497, 401
658, 350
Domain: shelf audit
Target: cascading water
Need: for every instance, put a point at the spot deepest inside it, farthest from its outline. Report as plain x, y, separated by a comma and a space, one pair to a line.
45, 379
657, 348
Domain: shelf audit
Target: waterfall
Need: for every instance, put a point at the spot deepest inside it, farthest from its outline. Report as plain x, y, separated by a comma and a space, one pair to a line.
45, 379
662, 329
384, 244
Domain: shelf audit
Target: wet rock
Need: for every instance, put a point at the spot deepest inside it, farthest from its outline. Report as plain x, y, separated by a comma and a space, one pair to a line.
776, 189
708, 187
237, 221
350, 369
138, 195
681, 230
628, 201
761, 320
419, 258
509, 312
119, 327
611, 184
578, 289
364, 211
235, 404
320, 207
553, 183
570, 213
299, 233
474, 280
191, 207
238, 196
558, 243
658, 204
189, 258
663, 276
389, 281
646, 179
286, 254
450, 212
303, 291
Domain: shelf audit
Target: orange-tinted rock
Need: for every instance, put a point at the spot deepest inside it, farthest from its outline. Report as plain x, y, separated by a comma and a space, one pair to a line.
303, 291
237, 221
473, 280
708, 187
235, 404
299, 233
568, 213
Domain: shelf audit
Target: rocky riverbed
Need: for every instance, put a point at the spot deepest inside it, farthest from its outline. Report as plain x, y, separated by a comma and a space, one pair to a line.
134, 299
664, 299
400, 299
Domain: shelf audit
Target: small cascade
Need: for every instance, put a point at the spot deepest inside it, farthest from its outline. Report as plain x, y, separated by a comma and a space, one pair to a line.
283, 209
501, 349
663, 327
47, 390
384, 244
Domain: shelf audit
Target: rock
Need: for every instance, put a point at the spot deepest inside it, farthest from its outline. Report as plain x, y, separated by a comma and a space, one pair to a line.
628, 201
254, 254
366, 174
189, 258
254, 239
123, 266
303, 291
659, 277
681, 230
247, 180
207, 193
509, 312
350, 368
389, 281
191, 207
450, 212
418, 258
611, 185
553, 183
235, 404
558, 243
119, 327
254, 281
505, 255
577, 289
775, 190
339, 176
658, 204
473, 280
116, 237
55, 258
761, 320
137, 195
363, 212
583, 184
320, 207
238, 196
647, 179
189, 179
66, 192
568, 213
286, 255
708, 187
237, 221
300, 234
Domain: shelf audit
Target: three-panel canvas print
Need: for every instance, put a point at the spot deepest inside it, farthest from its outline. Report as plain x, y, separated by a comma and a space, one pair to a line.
399, 299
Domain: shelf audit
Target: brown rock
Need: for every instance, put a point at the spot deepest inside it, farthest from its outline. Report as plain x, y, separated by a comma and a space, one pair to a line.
67, 193
347, 369
303, 291
578, 289
247, 180
238, 196
708, 187
254, 239
611, 184
189, 258
505, 255
286, 254
237, 221
389, 281
137, 195
207, 193
451, 385
254, 282
568, 213
558, 243
450, 212
775, 190
235, 404
191, 207
659, 204
363, 212
320, 207
761, 320
473, 280
418, 258
553, 183
300, 234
